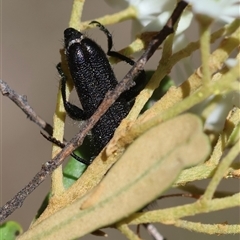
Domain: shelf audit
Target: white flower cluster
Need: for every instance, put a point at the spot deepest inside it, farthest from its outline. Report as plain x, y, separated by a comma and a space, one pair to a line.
153, 15
223, 10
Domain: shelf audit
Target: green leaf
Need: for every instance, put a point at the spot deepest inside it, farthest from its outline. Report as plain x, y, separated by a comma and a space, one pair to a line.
165, 84
72, 171
43, 206
10, 230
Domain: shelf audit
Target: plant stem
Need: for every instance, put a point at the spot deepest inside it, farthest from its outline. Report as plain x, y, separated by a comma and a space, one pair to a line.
221, 170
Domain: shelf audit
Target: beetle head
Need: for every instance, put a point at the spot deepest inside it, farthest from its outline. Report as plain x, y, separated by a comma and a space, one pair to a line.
72, 36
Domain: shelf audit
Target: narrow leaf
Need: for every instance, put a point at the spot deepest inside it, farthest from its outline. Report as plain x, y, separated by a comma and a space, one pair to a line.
147, 168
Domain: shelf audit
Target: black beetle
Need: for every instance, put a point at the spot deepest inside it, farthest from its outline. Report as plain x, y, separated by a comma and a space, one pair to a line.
93, 77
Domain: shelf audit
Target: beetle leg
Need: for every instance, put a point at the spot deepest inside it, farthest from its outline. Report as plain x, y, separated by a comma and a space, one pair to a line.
62, 145
110, 44
140, 80
72, 110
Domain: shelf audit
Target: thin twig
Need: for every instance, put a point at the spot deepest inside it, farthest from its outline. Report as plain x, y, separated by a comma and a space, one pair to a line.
129, 234
109, 99
22, 103
211, 229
